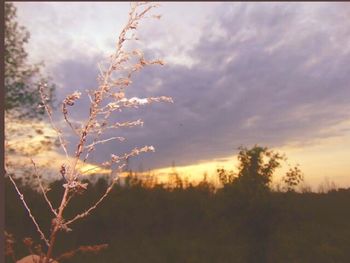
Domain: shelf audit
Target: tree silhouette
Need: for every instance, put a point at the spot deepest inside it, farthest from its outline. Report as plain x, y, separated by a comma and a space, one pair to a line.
256, 167
21, 78
292, 178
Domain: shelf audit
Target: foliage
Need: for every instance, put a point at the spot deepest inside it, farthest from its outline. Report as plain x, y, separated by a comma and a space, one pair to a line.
292, 178
21, 78
226, 177
255, 172
26, 134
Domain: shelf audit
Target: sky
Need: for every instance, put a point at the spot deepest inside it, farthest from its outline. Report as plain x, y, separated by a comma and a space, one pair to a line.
273, 74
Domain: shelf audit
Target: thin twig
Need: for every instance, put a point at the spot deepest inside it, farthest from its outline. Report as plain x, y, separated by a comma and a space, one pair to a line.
104, 141
64, 110
48, 111
134, 152
42, 189
69, 101
87, 212
42, 235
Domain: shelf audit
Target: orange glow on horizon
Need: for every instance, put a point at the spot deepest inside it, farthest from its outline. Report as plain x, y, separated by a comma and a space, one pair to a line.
319, 160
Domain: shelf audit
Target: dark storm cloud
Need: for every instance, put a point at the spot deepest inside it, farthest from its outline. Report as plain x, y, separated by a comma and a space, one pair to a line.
266, 73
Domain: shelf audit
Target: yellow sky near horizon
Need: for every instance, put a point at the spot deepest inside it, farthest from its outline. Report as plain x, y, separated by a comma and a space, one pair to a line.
320, 160
326, 160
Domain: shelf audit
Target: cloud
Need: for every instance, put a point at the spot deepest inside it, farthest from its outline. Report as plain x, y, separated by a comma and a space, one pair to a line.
268, 73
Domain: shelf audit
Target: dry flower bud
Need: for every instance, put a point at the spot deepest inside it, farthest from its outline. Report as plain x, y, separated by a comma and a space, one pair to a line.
113, 105
134, 25
129, 123
122, 82
147, 149
118, 95
158, 61
138, 100
137, 52
115, 158
70, 99
161, 99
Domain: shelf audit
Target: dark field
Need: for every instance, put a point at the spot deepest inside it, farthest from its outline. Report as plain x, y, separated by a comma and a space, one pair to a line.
193, 224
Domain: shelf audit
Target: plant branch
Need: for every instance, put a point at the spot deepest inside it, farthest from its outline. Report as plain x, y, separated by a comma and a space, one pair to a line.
88, 211
49, 113
42, 235
42, 189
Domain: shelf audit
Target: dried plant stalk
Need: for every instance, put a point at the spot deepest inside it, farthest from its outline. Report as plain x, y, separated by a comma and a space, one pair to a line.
43, 190
107, 98
42, 235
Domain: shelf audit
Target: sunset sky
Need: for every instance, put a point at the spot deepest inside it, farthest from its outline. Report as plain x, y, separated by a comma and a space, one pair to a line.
273, 74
